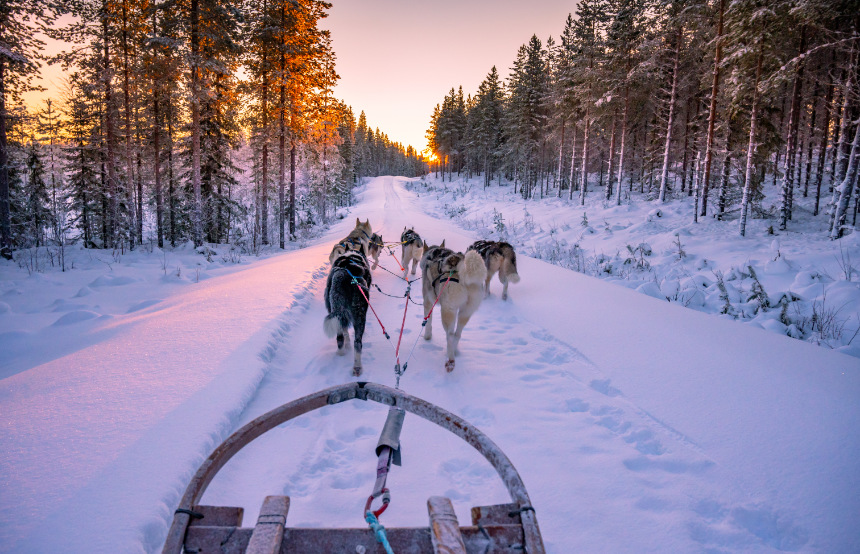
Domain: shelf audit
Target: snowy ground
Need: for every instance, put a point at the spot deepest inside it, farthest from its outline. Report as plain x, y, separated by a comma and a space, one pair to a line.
810, 285
636, 424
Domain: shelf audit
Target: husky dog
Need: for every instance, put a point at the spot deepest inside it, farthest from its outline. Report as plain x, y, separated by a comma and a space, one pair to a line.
358, 240
457, 280
345, 303
412, 250
499, 256
375, 248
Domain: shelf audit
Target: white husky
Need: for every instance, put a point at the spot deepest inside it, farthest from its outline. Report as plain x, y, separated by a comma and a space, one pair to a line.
458, 281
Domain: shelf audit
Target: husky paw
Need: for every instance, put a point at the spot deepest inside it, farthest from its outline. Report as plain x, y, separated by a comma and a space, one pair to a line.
356, 371
504, 297
449, 366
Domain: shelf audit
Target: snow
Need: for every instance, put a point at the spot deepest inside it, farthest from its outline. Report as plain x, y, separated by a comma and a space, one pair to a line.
637, 424
636, 245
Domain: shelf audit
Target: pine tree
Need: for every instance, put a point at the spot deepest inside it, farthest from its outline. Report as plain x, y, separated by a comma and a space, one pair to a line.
21, 22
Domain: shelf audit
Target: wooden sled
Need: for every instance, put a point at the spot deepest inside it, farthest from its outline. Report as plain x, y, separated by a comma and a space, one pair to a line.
498, 529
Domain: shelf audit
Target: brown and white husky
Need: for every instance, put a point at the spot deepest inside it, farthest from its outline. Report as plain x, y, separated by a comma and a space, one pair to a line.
412, 249
499, 257
358, 240
457, 280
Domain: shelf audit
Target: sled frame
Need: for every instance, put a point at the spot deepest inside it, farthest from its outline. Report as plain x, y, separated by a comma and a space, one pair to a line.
381, 394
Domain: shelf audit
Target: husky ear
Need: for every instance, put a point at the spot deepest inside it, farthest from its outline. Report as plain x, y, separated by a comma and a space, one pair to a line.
357, 222
443, 244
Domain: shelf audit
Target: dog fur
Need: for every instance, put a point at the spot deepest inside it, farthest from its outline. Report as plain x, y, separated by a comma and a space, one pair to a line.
358, 240
376, 246
499, 257
459, 298
346, 304
412, 249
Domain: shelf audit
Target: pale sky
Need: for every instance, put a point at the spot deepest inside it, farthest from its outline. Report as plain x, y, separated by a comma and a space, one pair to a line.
398, 58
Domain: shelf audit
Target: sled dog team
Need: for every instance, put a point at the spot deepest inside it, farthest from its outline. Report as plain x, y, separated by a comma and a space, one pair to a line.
457, 282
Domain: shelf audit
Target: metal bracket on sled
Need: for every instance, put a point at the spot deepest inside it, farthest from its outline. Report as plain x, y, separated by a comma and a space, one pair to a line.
361, 393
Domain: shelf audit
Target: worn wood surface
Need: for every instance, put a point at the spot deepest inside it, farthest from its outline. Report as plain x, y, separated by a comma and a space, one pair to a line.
218, 516
498, 514
444, 527
503, 539
269, 531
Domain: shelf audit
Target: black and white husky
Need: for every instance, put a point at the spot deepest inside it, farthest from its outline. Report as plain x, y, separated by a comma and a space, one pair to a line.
498, 256
412, 249
346, 304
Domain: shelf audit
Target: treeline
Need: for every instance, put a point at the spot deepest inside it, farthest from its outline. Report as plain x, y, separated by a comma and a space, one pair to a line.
203, 120
660, 98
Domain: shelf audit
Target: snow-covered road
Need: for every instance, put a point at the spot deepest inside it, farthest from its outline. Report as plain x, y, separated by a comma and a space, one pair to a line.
637, 426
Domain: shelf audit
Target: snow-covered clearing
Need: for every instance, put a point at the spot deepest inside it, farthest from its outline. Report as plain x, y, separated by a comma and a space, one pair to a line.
636, 424
808, 286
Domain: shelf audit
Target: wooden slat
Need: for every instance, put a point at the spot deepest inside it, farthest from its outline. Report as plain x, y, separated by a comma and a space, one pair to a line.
504, 539
495, 515
269, 531
218, 516
444, 528
223, 540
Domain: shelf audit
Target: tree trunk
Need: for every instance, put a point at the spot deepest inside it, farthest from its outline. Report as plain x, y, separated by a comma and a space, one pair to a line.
5, 212
791, 142
810, 139
110, 160
561, 157
156, 146
292, 188
686, 143
697, 178
129, 164
712, 113
841, 165
822, 149
608, 192
623, 140
664, 175
846, 188
724, 179
197, 208
171, 181
572, 165
752, 146
282, 153
584, 187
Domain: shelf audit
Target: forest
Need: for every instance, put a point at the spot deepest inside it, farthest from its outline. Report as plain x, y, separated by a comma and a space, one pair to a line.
210, 121
658, 99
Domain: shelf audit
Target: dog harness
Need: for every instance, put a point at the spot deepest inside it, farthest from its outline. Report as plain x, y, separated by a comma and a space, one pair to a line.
409, 236
445, 277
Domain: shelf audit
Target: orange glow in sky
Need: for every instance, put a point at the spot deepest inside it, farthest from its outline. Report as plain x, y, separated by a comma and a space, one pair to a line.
398, 58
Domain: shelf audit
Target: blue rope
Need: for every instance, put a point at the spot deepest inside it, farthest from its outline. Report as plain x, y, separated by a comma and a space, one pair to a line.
378, 531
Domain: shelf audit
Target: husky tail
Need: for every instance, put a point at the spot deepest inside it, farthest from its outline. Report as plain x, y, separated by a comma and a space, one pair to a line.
472, 269
509, 261
335, 324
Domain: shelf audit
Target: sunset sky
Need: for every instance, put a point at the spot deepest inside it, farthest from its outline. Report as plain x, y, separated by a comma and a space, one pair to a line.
398, 58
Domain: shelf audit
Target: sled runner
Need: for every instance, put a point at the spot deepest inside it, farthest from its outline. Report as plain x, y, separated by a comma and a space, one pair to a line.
500, 528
